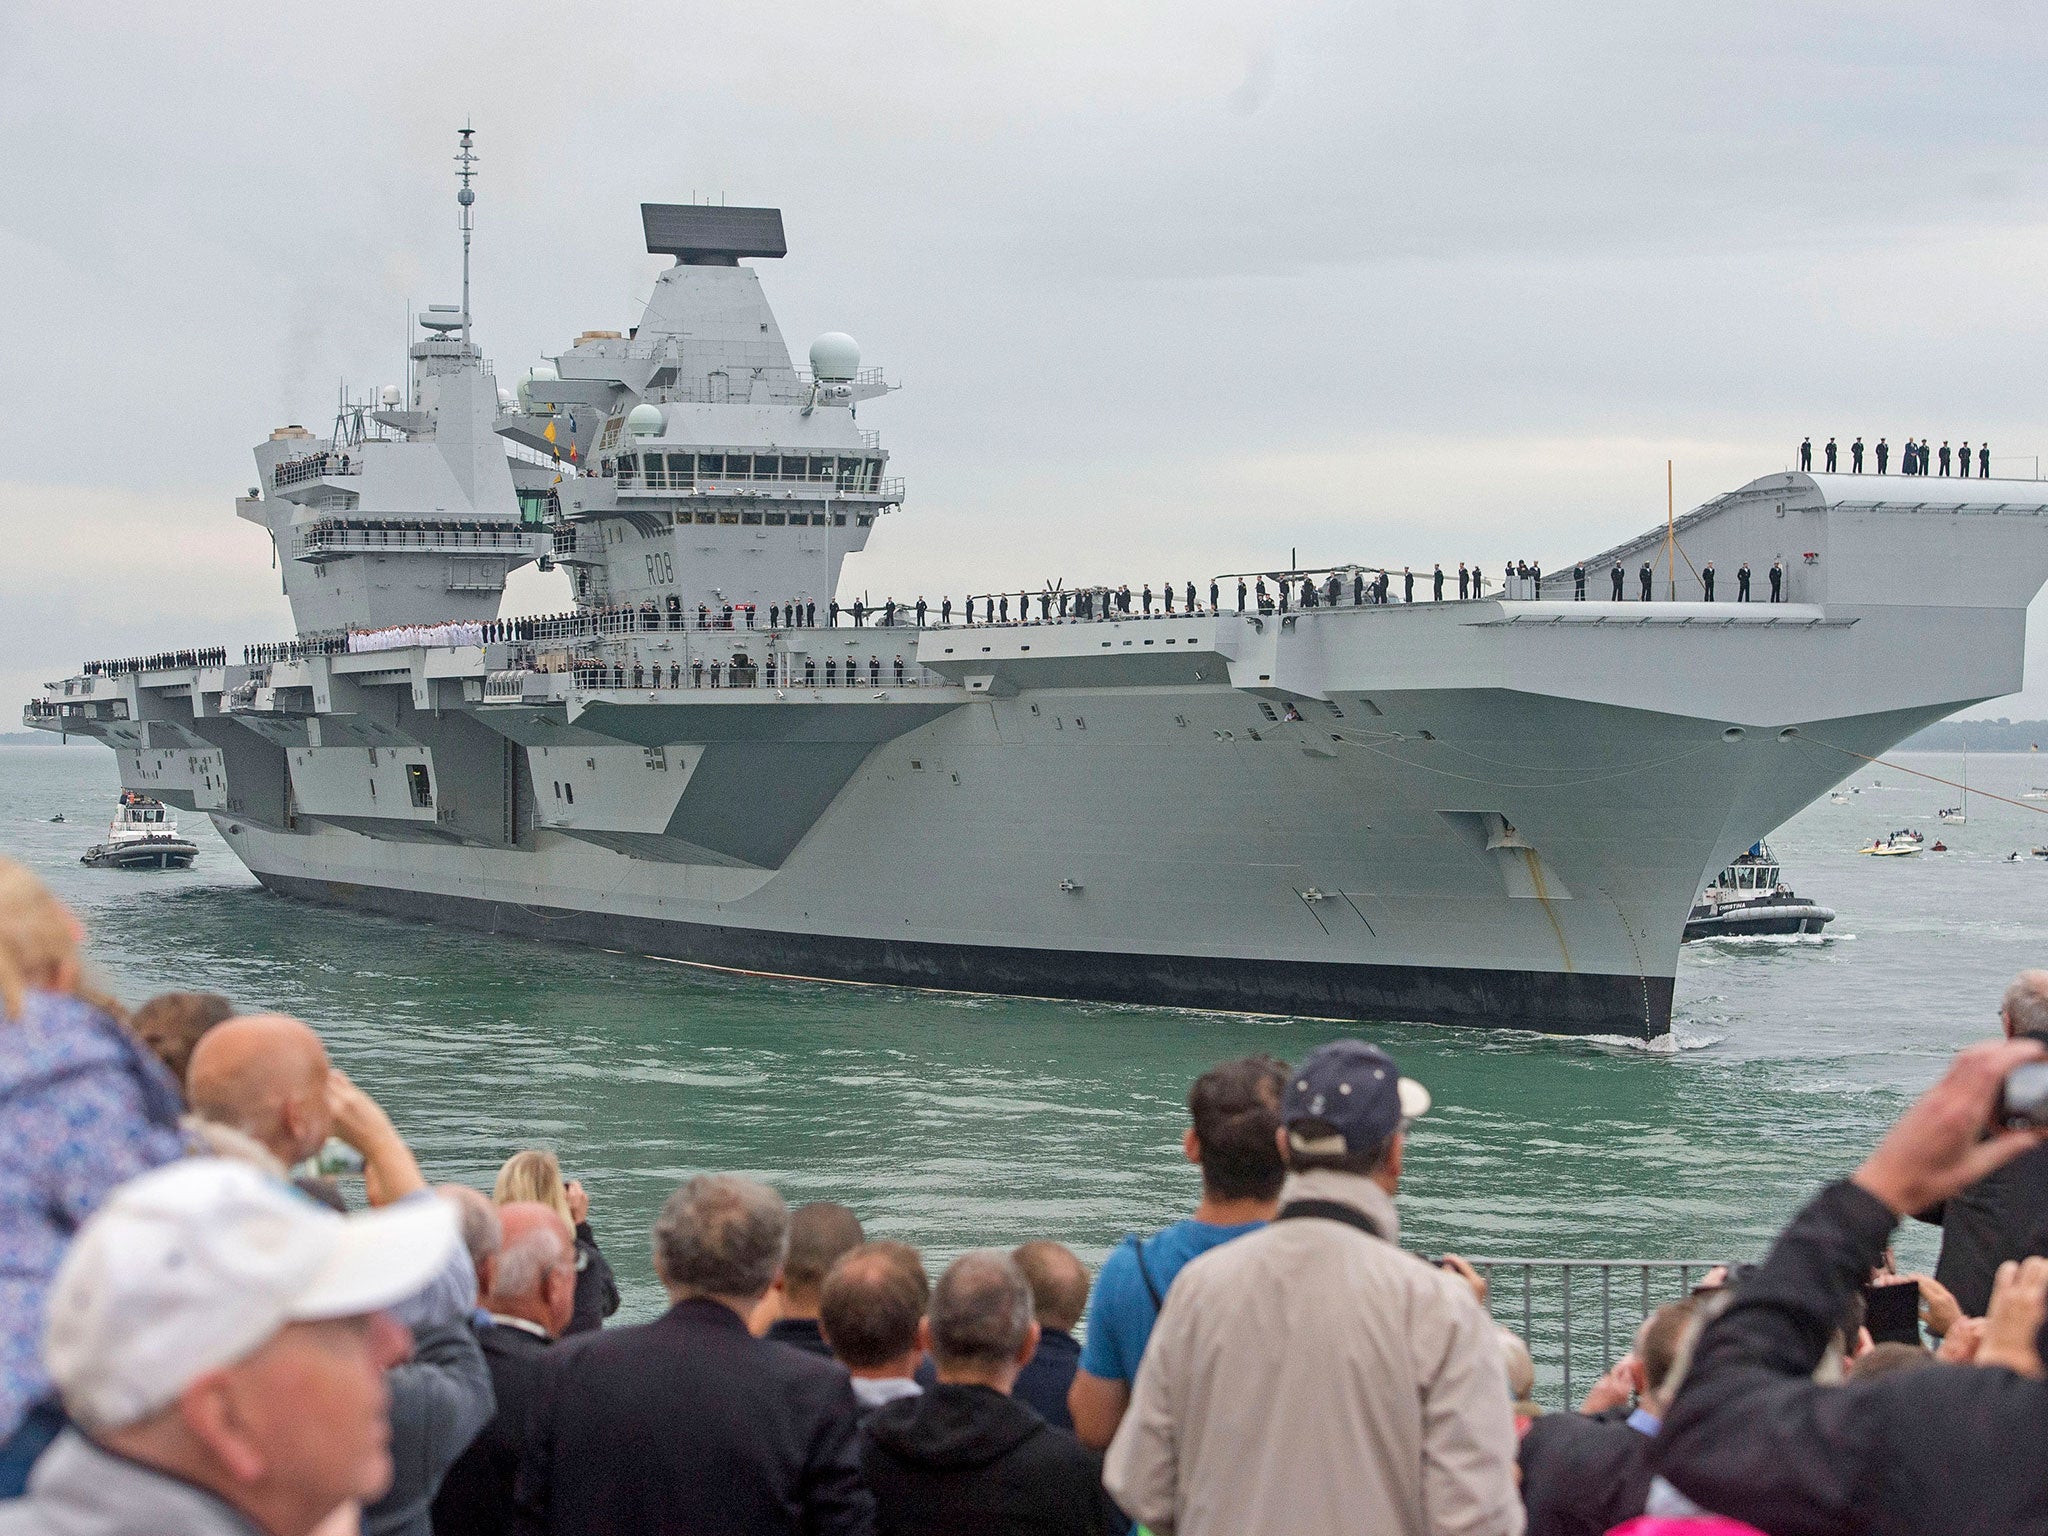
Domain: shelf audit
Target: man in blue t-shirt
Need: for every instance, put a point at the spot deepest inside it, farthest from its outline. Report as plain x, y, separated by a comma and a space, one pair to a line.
1235, 1115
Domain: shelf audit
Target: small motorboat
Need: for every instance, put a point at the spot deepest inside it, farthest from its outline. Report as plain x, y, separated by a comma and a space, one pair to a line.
1939, 847
2038, 792
58, 817
2040, 853
1838, 798
1748, 899
1892, 847
142, 835
1953, 816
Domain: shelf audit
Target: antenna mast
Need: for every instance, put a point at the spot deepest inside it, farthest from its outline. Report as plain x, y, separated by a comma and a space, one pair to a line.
465, 167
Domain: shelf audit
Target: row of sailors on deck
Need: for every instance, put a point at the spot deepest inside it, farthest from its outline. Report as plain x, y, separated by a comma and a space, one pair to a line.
741, 671
404, 637
204, 656
1916, 458
1646, 578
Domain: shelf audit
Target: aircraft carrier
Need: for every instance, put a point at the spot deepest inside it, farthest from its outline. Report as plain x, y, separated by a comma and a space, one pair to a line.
1493, 812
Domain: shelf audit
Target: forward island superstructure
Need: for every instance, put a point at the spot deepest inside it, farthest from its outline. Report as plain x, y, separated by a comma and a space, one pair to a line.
1495, 812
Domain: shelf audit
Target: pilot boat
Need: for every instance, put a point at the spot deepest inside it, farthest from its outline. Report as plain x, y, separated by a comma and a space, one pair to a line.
142, 835
1750, 899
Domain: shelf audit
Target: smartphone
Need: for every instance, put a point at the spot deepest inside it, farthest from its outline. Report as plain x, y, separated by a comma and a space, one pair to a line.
1892, 1313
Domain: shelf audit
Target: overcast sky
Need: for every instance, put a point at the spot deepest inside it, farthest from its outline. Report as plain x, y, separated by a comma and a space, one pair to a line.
1171, 288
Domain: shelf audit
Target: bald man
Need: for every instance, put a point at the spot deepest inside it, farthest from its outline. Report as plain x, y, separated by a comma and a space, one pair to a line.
2005, 1214
265, 1075
531, 1297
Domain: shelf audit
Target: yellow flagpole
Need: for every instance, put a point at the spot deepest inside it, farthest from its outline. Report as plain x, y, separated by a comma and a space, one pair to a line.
1670, 536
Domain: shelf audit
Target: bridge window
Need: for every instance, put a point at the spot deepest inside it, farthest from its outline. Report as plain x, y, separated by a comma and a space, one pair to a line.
707, 517
420, 784
752, 519
711, 465
821, 470
838, 519
775, 519
681, 466
729, 517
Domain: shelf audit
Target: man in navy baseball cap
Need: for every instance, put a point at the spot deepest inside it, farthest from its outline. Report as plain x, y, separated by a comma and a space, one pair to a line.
1311, 1370
1346, 1101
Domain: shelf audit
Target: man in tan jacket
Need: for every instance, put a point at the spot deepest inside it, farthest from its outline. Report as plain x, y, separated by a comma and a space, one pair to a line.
1312, 1377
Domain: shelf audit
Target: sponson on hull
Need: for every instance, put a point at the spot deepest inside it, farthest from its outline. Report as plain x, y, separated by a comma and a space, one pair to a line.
1493, 812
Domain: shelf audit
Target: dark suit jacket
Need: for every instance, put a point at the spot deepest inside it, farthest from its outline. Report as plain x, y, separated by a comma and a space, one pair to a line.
2004, 1215
1042, 1384
1583, 1476
690, 1425
476, 1495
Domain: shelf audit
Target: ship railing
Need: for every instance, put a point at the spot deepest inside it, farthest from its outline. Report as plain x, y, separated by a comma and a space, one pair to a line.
593, 673
683, 482
315, 466
318, 539
1578, 1316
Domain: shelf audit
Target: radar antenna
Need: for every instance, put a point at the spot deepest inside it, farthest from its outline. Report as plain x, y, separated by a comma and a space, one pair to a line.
465, 167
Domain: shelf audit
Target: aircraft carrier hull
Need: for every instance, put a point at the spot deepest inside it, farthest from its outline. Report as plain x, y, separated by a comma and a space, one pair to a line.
1551, 1002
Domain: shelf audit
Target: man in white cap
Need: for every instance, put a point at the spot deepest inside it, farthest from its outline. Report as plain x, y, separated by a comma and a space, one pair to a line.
1311, 1377
220, 1342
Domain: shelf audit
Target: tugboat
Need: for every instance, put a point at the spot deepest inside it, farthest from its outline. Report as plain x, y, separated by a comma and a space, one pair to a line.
1748, 899
142, 835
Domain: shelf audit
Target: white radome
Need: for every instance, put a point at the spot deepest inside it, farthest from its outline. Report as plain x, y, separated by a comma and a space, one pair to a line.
835, 355
646, 420
390, 397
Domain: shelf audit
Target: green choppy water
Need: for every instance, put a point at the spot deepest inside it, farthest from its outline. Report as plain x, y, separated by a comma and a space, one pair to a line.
958, 1122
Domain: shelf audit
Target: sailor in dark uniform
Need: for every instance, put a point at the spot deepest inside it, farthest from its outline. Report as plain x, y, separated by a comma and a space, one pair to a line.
1856, 457
1407, 585
1806, 453
1983, 461
945, 610
1615, 572
1214, 594
1464, 583
1643, 580
1963, 461
1579, 582
1742, 583
1707, 580
1436, 582
1191, 597
1167, 587
1147, 599
1884, 454
1003, 606
1944, 456
920, 613
1777, 581
1831, 455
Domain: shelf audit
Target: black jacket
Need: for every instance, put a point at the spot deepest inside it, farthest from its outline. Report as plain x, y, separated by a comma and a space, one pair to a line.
441, 1399
476, 1495
690, 1425
1582, 1476
597, 1293
1042, 1384
800, 1333
2002, 1216
1752, 1437
963, 1458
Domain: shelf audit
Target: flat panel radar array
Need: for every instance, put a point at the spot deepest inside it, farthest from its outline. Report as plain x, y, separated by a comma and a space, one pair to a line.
712, 237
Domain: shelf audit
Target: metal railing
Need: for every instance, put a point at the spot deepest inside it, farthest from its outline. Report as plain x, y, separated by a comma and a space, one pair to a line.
333, 538
1567, 1310
314, 466
683, 482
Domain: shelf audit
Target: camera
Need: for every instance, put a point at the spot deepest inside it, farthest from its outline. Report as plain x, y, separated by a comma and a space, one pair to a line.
2023, 1099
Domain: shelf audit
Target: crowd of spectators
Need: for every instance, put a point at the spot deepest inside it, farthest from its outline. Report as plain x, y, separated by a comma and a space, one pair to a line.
209, 1328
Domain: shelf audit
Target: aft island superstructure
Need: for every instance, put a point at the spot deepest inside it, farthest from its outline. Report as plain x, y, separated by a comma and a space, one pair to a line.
1493, 812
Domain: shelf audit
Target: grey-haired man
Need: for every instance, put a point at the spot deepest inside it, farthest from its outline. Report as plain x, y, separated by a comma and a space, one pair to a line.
1312, 1377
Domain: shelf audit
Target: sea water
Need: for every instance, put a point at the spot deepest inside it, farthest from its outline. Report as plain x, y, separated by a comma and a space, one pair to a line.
961, 1122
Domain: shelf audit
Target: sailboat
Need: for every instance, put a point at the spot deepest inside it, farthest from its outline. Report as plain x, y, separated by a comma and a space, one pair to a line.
1957, 815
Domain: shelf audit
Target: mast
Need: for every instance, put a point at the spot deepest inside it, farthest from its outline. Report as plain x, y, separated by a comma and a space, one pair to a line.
465, 167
